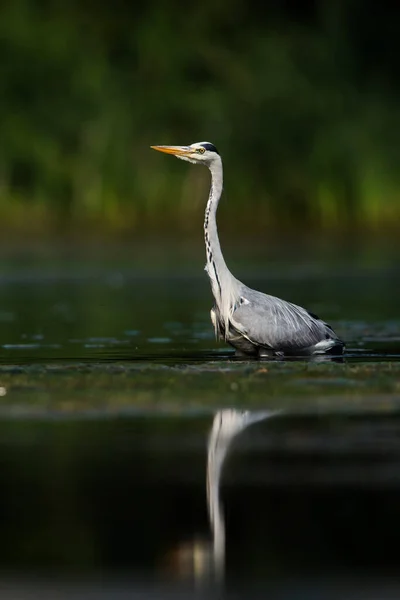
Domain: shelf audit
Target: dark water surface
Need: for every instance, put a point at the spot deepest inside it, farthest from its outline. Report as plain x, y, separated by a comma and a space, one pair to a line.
110, 383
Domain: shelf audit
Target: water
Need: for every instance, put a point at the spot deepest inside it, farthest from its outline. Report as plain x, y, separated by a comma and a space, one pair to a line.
112, 395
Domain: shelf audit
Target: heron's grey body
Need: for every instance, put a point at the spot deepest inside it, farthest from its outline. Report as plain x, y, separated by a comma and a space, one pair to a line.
262, 325
252, 322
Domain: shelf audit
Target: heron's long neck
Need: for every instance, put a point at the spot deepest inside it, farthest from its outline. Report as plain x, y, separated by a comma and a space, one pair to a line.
221, 279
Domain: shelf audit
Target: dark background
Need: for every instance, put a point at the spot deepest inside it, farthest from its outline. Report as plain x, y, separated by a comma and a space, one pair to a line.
301, 98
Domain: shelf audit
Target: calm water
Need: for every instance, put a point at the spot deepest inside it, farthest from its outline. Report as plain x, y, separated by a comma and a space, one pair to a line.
110, 383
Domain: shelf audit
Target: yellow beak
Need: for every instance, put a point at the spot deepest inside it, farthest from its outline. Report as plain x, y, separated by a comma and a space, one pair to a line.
176, 150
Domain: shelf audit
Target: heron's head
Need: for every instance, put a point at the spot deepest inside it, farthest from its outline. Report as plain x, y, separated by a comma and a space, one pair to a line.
202, 153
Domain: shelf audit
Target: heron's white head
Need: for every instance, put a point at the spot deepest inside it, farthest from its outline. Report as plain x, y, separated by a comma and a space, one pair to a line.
201, 153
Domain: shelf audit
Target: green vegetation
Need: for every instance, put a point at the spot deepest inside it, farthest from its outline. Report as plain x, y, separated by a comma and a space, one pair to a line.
107, 389
300, 101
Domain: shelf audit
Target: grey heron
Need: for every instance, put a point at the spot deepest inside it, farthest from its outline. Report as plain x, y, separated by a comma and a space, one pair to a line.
254, 323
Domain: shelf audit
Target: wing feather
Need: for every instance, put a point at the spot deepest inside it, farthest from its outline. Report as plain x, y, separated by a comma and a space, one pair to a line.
274, 323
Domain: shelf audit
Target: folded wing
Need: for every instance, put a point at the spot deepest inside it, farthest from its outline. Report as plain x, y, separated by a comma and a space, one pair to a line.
274, 323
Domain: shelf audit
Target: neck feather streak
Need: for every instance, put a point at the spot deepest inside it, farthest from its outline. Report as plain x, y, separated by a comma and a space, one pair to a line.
223, 284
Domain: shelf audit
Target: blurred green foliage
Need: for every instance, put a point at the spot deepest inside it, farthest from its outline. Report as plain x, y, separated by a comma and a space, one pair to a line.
300, 98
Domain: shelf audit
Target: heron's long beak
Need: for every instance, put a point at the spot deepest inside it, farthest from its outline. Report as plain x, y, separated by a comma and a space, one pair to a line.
176, 150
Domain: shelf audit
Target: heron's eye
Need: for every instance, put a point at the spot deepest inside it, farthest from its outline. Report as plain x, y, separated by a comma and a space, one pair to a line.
201, 150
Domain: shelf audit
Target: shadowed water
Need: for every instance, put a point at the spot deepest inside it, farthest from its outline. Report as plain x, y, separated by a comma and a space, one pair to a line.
112, 389
125, 315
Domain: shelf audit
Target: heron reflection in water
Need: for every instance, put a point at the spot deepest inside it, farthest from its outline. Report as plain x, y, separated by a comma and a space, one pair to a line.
254, 323
198, 559
227, 424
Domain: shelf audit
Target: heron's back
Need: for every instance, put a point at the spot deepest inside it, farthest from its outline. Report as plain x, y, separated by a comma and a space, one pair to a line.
278, 326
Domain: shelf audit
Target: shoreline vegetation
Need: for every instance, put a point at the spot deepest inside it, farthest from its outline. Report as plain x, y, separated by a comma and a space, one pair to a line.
302, 104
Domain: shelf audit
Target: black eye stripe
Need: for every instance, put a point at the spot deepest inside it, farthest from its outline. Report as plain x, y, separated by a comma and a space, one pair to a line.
210, 147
